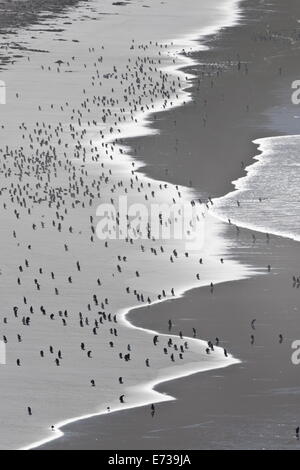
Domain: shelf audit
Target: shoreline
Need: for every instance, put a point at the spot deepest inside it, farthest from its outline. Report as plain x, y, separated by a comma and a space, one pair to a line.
59, 404
58, 410
282, 246
238, 189
102, 433
141, 129
147, 387
219, 63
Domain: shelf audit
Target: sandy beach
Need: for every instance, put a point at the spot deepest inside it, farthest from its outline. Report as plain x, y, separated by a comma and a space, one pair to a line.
243, 93
70, 91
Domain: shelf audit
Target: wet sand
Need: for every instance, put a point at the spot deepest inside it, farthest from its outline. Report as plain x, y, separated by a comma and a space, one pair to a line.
239, 102
24, 13
252, 405
64, 290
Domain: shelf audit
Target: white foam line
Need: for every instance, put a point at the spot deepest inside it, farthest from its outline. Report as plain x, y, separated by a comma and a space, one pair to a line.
142, 128
156, 397
240, 187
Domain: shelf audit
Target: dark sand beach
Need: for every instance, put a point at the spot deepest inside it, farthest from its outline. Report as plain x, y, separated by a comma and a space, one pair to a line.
242, 80
71, 352
246, 78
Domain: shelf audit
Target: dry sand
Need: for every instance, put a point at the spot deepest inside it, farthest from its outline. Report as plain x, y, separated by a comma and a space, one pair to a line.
253, 405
